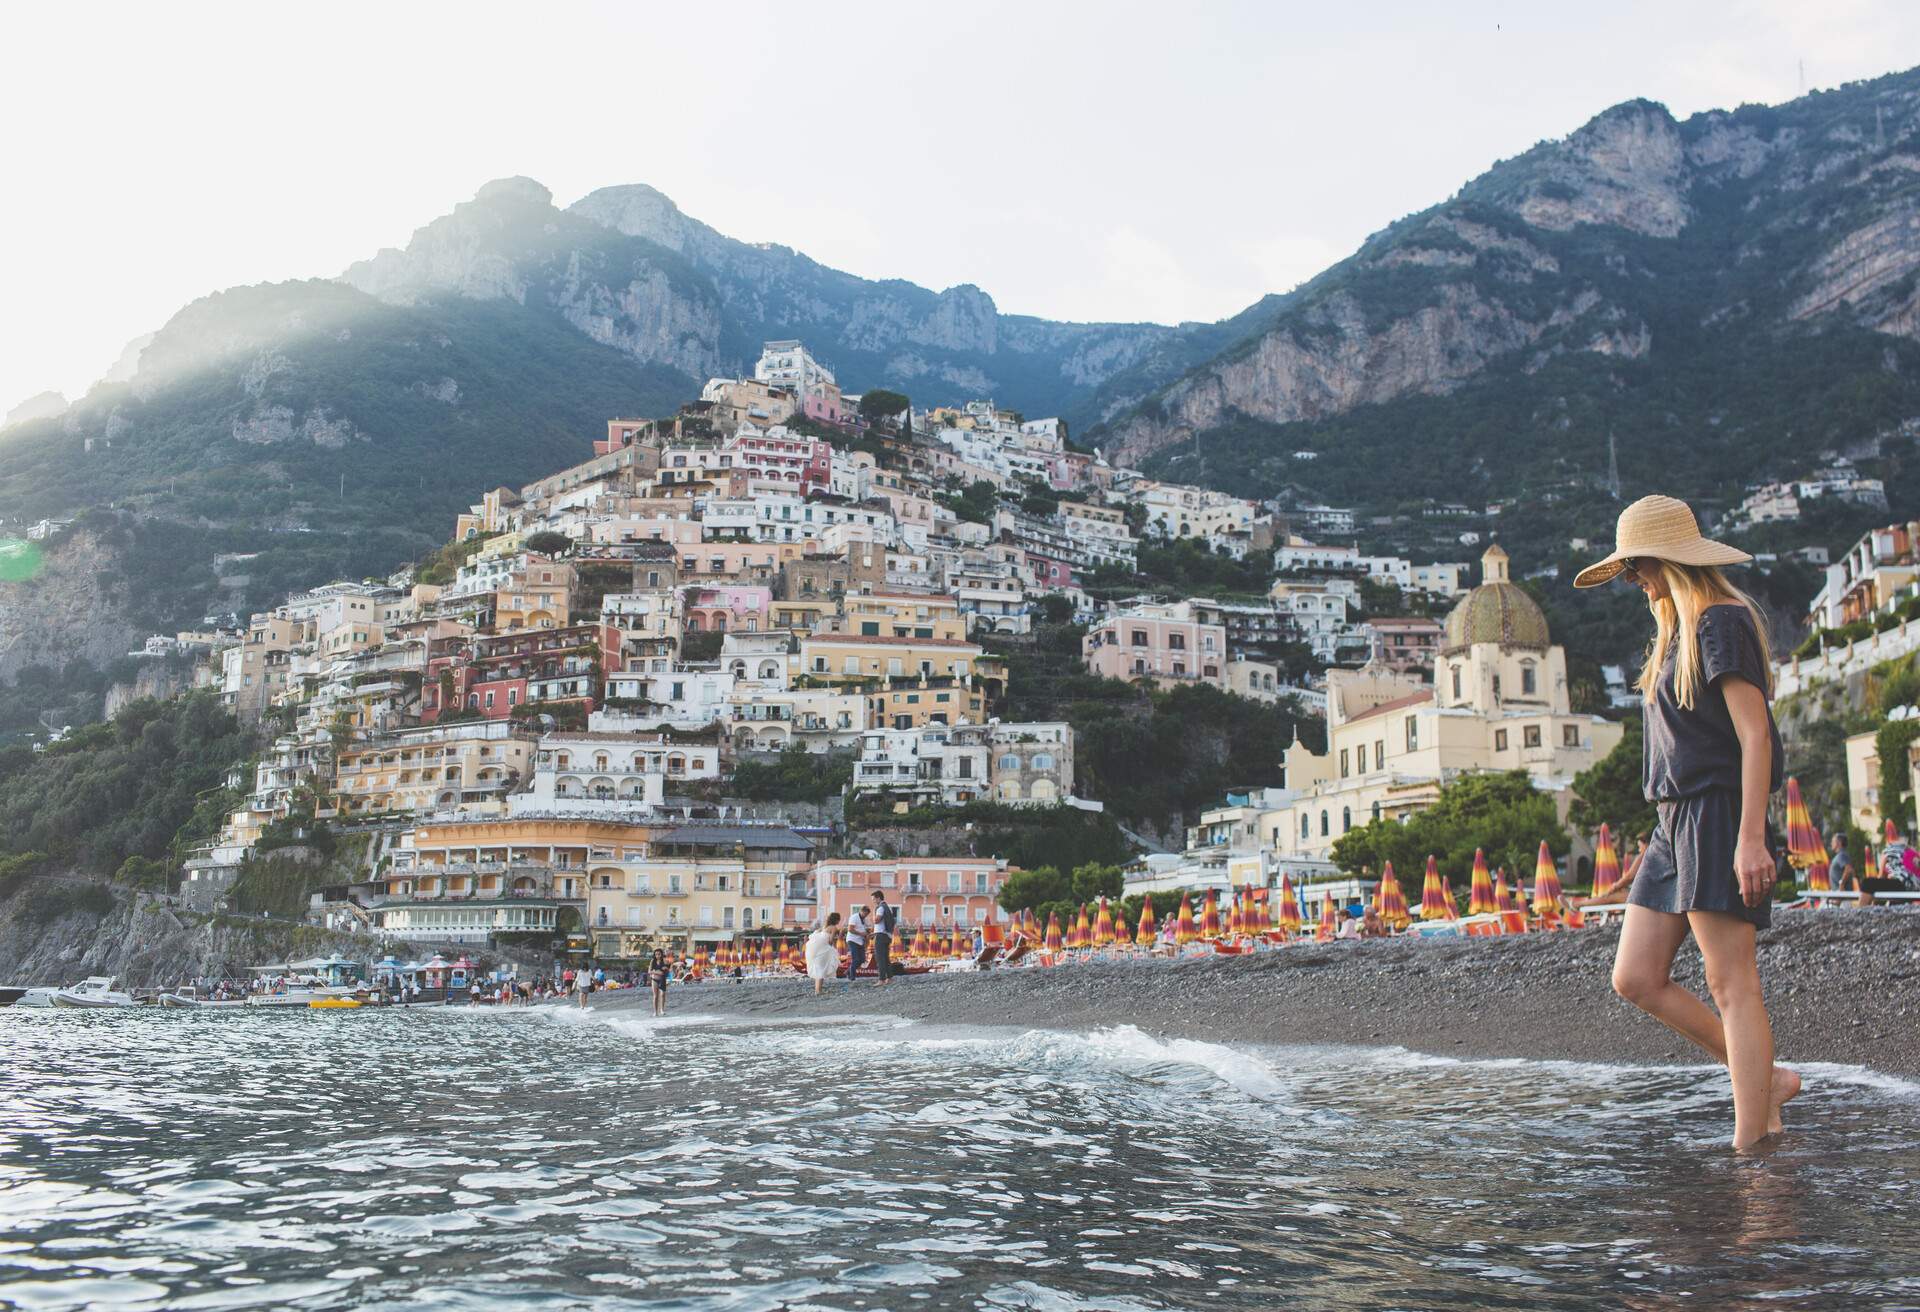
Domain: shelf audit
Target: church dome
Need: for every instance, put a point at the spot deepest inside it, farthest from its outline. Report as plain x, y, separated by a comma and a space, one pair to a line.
1498, 611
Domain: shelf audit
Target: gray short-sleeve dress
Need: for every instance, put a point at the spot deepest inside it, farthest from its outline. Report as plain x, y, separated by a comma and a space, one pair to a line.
1692, 773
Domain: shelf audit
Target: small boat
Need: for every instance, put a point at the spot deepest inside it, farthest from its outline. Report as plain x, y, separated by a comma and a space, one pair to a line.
9, 996
40, 997
189, 997
335, 1004
94, 991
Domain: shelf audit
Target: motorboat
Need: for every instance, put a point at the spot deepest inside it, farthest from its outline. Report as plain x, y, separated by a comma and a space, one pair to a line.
40, 997
94, 991
188, 996
9, 996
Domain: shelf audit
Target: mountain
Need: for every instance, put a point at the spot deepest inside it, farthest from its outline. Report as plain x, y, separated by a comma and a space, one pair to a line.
1716, 300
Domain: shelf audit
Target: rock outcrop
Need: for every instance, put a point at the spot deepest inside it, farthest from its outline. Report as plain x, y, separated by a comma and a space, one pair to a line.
68, 609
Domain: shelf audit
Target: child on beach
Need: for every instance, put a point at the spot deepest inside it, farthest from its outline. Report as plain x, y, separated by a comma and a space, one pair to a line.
1712, 758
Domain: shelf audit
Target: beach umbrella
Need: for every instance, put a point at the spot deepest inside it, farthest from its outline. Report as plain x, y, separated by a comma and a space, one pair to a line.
1820, 874
1289, 908
1083, 929
1230, 922
1183, 931
1503, 899
1546, 885
1145, 935
1606, 862
700, 960
1480, 894
1391, 903
991, 934
1053, 932
1803, 844
1434, 897
1210, 915
1889, 835
1103, 927
1327, 928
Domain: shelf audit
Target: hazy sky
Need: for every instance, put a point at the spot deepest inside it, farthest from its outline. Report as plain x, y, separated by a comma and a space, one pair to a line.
1077, 160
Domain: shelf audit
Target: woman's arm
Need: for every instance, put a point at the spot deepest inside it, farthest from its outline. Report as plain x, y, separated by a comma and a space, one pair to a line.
1752, 863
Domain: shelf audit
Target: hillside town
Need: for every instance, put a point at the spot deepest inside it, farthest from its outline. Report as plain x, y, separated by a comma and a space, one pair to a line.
537, 728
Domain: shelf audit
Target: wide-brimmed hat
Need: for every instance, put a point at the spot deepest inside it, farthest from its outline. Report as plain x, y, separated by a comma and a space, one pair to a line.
1665, 529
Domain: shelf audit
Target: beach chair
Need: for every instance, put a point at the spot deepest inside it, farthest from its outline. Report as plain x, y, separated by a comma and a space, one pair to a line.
986, 956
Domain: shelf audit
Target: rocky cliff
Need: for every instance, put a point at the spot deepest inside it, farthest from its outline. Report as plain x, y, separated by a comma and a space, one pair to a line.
66, 609
1619, 243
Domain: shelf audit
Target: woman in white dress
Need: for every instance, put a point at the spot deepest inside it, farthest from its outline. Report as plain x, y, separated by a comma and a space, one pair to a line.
823, 954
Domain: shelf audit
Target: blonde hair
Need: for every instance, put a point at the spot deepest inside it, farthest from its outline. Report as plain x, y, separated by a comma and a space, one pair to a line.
1691, 589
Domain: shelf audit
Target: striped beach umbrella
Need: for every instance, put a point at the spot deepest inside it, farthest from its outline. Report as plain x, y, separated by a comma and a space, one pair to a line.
1289, 919
1183, 930
1803, 845
1103, 926
1052, 939
1820, 874
1480, 896
1210, 915
1230, 924
991, 935
1434, 897
1606, 862
1327, 928
1546, 885
700, 959
1391, 902
1503, 898
1122, 935
1889, 834
1148, 932
1083, 929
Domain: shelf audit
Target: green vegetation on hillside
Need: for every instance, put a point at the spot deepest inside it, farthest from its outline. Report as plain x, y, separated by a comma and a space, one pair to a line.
1500, 813
121, 788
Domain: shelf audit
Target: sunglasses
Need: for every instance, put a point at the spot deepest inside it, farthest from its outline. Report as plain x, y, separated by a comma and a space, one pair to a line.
1630, 566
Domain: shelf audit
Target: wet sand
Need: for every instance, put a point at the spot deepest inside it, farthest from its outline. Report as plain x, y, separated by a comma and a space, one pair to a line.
1842, 986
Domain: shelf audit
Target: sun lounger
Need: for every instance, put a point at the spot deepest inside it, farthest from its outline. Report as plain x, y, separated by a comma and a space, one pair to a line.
1847, 896
986, 956
1015, 953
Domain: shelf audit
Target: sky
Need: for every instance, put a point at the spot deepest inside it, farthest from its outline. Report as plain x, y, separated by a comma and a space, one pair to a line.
1109, 161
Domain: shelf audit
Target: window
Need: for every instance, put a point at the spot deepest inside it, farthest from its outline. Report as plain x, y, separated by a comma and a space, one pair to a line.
1361, 753
1344, 763
1305, 824
1323, 824
1177, 641
1379, 753
1010, 762
1527, 679
1530, 736
953, 881
1413, 733
1456, 683
726, 917
1499, 740
1042, 761
1346, 818
1139, 637
1570, 735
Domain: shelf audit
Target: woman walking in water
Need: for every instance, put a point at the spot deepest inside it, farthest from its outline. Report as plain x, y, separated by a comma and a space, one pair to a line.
1712, 758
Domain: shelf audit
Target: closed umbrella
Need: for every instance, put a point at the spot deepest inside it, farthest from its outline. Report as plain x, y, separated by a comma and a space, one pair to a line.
1391, 903
1289, 908
1147, 932
1803, 845
1480, 896
1183, 931
1606, 862
1053, 933
1327, 928
1103, 927
1546, 885
1434, 898
1210, 916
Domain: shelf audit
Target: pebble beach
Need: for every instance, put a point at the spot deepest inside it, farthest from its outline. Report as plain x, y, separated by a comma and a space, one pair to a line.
1842, 986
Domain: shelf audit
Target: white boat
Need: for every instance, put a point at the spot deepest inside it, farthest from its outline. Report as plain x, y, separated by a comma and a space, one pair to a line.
42, 997
93, 991
189, 996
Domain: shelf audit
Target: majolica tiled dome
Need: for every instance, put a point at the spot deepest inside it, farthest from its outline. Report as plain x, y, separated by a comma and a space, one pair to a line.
1499, 610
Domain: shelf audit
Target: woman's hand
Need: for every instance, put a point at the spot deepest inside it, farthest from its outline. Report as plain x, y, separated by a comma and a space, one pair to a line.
1753, 867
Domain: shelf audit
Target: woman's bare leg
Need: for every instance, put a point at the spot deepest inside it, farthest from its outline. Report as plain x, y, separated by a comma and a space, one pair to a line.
1642, 975
1733, 976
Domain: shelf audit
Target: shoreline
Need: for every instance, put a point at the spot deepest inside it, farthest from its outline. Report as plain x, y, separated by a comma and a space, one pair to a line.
1842, 986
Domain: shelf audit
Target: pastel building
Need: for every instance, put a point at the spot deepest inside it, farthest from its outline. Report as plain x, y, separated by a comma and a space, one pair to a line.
1158, 642
927, 891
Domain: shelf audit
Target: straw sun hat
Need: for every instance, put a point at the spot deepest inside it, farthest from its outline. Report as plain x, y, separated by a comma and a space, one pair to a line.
1665, 529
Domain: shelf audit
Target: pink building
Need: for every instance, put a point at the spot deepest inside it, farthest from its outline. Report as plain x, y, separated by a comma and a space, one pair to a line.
938, 891
730, 608
1157, 642
805, 464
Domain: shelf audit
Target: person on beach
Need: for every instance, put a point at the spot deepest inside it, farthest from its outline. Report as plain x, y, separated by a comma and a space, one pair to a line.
1840, 866
884, 919
856, 943
658, 969
1712, 758
1349, 927
1618, 893
823, 957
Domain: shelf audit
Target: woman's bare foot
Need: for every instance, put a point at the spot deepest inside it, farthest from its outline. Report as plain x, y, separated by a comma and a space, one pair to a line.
1786, 1087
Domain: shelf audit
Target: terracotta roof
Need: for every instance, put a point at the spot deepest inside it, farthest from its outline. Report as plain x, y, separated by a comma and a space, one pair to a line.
1396, 704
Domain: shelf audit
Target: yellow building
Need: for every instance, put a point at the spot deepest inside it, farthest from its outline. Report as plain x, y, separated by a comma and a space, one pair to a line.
431, 767
694, 883
899, 615
1499, 702
537, 595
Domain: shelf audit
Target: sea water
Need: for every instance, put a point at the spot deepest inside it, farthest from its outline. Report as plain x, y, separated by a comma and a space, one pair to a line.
544, 1158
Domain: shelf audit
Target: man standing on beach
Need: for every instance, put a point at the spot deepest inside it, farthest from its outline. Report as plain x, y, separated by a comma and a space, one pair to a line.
884, 917
856, 943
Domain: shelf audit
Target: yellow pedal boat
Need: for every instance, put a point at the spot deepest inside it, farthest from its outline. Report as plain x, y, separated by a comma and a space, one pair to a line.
335, 1004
